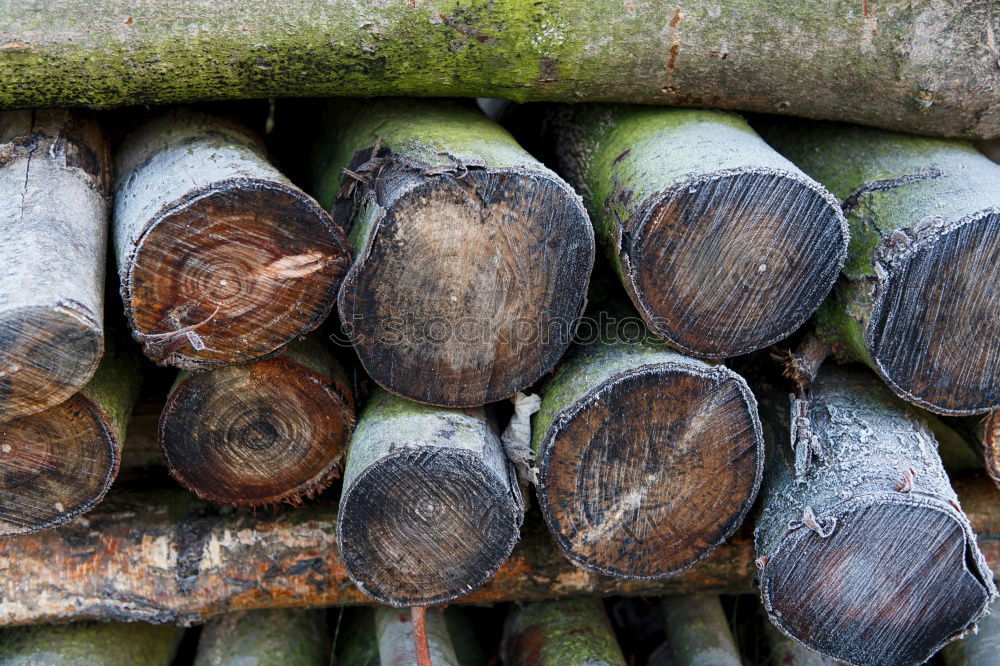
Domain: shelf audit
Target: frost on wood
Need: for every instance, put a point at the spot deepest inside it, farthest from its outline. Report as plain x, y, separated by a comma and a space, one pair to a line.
54, 216
698, 633
430, 506
552, 633
221, 258
724, 245
472, 258
918, 301
855, 548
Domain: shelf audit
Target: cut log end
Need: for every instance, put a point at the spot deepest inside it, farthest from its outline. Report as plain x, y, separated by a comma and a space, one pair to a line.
725, 265
423, 526
233, 274
56, 464
255, 434
649, 502
933, 333
471, 286
904, 602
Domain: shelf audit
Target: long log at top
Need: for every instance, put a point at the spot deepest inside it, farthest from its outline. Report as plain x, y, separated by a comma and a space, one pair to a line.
915, 65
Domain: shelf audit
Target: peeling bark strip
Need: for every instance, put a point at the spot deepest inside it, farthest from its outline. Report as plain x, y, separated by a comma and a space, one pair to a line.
787, 652
977, 649
221, 258
59, 463
647, 459
54, 217
918, 300
430, 507
263, 432
855, 549
932, 64
384, 637
724, 246
698, 633
91, 643
551, 633
279, 637
472, 258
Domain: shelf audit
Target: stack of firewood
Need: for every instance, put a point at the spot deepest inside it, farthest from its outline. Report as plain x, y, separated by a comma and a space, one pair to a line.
498, 352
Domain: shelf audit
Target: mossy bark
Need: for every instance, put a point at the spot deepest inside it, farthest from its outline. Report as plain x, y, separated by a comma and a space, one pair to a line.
472, 258
549, 633
915, 301
929, 63
279, 637
981, 648
221, 258
91, 643
698, 633
54, 171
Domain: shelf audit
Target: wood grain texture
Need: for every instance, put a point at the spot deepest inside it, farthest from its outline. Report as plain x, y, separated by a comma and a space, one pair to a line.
91, 643
263, 432
648, 459
276, 637
221, 258
918, 298
724, 245
697, 631
472, 258
54, 170
860, 531
567, 631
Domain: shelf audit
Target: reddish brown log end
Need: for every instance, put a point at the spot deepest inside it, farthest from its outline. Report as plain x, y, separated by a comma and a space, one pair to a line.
991, 445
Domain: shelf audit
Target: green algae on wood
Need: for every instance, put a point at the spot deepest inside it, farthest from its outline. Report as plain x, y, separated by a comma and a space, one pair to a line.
278, 637
551, 633
697, 631
90, 643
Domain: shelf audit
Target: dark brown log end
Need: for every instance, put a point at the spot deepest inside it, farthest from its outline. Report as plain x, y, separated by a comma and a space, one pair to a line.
725, 265
56, 464
470, 287
934, 333
651, 470
46, 355
232, 274
423, 526
257, 433
890, 585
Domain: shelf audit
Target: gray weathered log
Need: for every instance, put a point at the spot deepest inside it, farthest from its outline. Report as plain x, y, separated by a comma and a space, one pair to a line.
981, 648
278, 637
697, 631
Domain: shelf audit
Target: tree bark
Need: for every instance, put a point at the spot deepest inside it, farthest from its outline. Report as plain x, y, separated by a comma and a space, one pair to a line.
860, 531
647, 459
567, 631
91, 643
472, 258
915, 303
723, 245
786, 652
384, 637
53, 185
221, 258
262, 432
978, 649
698, 632
929, 63
59, 463
279, 637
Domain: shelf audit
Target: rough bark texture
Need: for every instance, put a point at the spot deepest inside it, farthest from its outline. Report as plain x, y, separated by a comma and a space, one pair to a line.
279, 637
430, 507
551, 633
786, 652
931, 65
860, 532
54, 170
59, 463
221, 258
90, 643
648, 459
698, 632
263, 432
164, 556
917, 301
384, 637
979, 649
472, 258
723, 245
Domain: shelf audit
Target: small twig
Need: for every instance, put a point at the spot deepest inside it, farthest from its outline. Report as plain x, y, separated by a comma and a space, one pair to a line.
802, 365
418, 614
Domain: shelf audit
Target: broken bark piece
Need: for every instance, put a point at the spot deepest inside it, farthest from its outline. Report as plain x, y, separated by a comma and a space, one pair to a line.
979, 648
785, 651
568, 631
916, 303
472, 257
384, 637
221, 258
430, 506
697, 631
860, 531
723, 245
279, 637
60, 462
91, 643
54, 170
648, 459
263, 432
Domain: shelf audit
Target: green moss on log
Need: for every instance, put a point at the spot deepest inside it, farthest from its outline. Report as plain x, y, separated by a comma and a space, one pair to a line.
279, 637
90, 643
